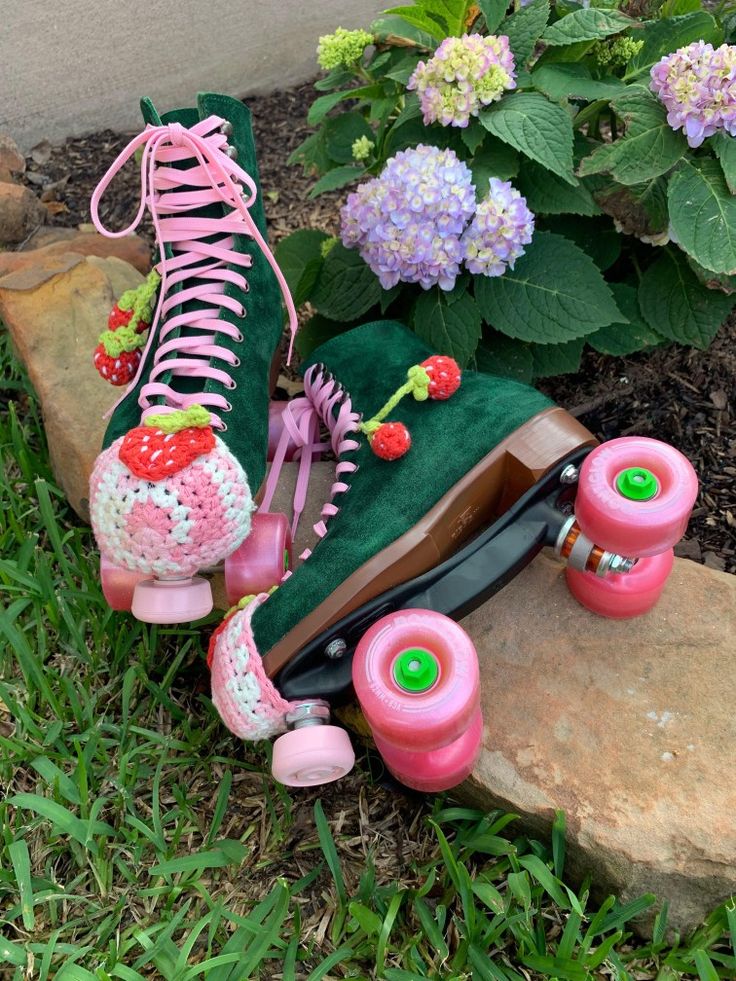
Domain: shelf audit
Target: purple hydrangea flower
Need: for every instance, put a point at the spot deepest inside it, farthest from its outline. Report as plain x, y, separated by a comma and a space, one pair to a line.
697, 86
502, 226
463, 75
408, 223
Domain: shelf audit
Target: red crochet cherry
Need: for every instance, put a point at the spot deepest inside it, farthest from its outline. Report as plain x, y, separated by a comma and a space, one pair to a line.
391, 440
120, 318
118, 370
444, 376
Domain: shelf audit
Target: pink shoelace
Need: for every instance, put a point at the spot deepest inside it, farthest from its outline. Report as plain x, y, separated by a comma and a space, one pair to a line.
302, 418
201, 267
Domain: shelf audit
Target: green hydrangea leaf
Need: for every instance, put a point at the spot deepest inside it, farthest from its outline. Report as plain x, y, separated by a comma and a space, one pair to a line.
504, 356
315, 332
419, 19
725, 149
448, 322
548, 194
396, 30
300, 260
341, 132
622, 339
675, 304
337, 177
596, 237
493, 159
321, 106
648, 148
586, 25
554, 294
524, 28
573, 81
346, 287
703, 215
493, 11
537, 127
556, 359
640, 209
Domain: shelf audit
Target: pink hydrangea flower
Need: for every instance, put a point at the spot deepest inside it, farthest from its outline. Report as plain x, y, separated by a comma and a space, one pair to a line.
697, 85
463, 75
502, 226
408, 222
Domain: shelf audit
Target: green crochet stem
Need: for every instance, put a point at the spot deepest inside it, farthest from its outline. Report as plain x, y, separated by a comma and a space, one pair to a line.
195, 417
417, 384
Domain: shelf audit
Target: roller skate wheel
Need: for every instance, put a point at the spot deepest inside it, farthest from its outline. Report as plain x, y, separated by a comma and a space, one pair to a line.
415, 673
172, 600
620, 597
312, 755
635, 496
436, 769
118, 584
262, 559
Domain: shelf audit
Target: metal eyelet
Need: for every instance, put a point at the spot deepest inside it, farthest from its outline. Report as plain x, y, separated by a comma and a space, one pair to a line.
223, 427
232, 387
243, 312
236, 362
239, 339
227, 128
228, 407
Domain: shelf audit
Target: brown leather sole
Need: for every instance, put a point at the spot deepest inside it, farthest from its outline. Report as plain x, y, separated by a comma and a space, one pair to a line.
485, 493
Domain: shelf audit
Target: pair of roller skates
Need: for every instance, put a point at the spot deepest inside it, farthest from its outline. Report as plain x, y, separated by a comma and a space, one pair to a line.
430, 514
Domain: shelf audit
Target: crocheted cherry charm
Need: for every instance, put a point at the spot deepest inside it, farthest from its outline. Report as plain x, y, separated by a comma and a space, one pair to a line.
118, 369
166, 444
391, 440
444, 376
118, 353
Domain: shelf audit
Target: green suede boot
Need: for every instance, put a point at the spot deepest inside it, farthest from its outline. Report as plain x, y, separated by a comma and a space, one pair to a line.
474, 452
185, 450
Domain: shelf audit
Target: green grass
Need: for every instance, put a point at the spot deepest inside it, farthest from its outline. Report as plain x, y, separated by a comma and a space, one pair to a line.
139, 840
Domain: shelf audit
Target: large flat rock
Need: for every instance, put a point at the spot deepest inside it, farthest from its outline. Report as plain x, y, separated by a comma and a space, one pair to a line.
627, 726
55, 310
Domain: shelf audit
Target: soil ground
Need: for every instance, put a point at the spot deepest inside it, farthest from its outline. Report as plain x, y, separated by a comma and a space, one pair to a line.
678, 394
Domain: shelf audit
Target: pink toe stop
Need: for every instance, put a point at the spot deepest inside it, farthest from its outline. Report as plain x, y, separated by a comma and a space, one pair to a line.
172, 600
312, 755
260, 562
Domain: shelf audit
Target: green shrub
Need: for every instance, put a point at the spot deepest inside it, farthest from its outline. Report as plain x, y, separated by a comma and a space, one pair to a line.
635, 233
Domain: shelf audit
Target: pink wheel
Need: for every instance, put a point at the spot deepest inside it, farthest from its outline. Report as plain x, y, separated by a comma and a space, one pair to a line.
416, 677
438, 769
172, 600
623, 596
312, 755
260, 562
635, 496
118, 584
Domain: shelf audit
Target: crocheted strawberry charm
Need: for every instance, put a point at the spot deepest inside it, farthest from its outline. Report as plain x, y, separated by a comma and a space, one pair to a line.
436, 378
166, 444
119, 350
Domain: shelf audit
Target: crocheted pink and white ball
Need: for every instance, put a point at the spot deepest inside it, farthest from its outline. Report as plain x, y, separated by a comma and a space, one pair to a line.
174, 526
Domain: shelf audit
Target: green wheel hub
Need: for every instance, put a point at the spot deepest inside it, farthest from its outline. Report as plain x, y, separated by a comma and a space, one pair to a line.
416, 670
637, 484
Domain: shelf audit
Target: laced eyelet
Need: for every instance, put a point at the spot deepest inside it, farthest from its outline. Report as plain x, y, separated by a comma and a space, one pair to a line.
232, 386
239, 338
228, 407
223, 428
243, 312
235, 363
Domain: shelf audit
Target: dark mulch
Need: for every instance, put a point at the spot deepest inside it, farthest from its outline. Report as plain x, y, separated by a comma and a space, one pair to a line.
677, 394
